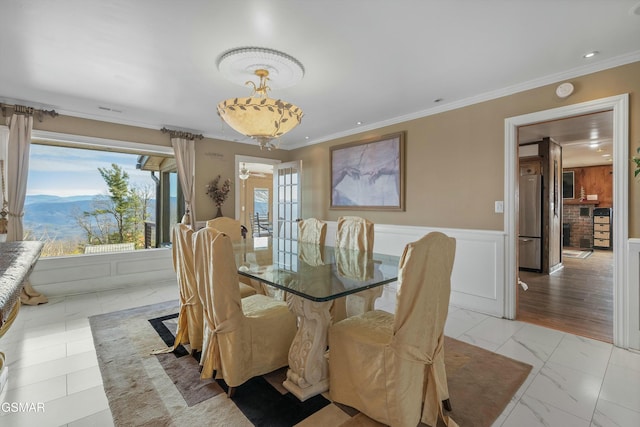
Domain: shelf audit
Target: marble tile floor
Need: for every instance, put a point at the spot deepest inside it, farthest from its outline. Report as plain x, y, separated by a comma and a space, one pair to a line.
575, 381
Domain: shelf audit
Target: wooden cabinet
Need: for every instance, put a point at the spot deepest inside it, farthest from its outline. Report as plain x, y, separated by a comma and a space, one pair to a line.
602, 232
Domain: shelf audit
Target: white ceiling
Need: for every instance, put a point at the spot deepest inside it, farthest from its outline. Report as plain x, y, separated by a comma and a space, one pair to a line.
152, 63
586, 140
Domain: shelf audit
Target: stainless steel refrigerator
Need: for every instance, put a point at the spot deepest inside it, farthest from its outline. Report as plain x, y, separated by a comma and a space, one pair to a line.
530, 239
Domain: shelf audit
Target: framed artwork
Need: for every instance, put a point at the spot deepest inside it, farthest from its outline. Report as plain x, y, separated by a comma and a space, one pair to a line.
368, 174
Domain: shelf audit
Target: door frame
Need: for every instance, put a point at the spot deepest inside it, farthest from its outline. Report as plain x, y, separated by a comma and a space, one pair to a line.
247, 159
620, 106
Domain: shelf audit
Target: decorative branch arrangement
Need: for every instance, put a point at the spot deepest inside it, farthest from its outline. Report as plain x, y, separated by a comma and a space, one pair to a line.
219, 194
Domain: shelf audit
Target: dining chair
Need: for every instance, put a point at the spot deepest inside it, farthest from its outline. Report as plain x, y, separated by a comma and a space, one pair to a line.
232, 228
229, 226
312, 230
190, 317
355, 233
386, 365
243, 337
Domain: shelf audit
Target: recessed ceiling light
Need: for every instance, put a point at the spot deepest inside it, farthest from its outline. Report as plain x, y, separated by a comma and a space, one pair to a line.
590, 54
306, 137
358, 123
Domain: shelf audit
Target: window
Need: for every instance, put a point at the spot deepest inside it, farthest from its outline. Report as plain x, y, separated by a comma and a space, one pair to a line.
568, 191
82, 198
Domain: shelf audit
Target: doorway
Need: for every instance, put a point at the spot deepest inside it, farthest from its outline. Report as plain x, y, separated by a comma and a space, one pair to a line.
577, 295
254, 194
620, 107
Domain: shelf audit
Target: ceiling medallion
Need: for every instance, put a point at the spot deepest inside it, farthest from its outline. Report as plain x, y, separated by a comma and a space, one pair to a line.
258, 116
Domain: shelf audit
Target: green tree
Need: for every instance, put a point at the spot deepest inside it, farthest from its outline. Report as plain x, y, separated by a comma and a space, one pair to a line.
120, 216
121, 202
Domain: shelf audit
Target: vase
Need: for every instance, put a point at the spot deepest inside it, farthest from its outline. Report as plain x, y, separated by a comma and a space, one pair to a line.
219, 213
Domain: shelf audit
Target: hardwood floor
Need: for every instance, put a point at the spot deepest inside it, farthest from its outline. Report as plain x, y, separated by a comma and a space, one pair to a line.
577, 299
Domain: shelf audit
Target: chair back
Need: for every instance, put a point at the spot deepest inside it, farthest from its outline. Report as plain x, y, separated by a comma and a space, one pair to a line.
190, 318
354, 233
424, 287
182, 253
312, 230
217, 277
229, 226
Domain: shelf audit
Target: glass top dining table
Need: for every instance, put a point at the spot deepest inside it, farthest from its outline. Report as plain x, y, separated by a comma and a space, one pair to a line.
314, 272
313, 278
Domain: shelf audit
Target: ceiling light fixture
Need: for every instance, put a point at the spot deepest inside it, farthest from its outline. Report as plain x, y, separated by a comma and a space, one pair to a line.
590, 54
258, 116
244, 172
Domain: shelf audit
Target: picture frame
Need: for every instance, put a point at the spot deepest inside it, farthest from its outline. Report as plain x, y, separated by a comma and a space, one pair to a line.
369, 174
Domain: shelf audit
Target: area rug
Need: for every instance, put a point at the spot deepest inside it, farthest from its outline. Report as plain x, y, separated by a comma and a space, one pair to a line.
165, 389
577, 253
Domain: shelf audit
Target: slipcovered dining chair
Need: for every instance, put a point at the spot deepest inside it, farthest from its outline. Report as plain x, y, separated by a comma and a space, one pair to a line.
232, 228
355, 233
312, 230
229, 226
243, 337
311, 236
190, 320
386, 366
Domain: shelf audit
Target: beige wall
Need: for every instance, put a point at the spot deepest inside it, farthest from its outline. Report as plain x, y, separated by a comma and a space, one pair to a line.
215, 157
455, 160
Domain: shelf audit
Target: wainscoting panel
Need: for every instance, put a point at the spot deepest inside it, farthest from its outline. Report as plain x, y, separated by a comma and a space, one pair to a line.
56, 276
478, 278
477, 281
633, 308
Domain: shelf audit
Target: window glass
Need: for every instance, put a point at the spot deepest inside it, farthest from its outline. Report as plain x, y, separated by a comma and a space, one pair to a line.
91, 201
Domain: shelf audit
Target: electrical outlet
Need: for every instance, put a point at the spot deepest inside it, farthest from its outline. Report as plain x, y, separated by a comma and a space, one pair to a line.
499, 206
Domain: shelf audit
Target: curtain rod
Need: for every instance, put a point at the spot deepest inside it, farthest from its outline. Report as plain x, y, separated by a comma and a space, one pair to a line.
29, 111
181, 134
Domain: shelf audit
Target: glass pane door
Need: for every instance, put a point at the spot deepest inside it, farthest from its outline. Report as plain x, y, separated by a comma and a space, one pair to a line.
286, 211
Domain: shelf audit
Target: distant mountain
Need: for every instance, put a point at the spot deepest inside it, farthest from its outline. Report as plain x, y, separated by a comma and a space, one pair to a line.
44, 198
54, 216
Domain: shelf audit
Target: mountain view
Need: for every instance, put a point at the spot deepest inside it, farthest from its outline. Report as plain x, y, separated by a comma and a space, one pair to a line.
53, 217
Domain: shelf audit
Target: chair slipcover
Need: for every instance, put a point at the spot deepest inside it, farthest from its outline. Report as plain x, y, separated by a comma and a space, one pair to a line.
190, 322
232, 228
312, 230
386, 366
354, 233
244, 337
229, 226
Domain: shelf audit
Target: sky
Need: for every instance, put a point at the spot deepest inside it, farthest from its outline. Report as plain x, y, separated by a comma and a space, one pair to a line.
61, 171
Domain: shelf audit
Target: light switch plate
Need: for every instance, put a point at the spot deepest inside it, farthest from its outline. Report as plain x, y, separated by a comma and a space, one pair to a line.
499, 206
